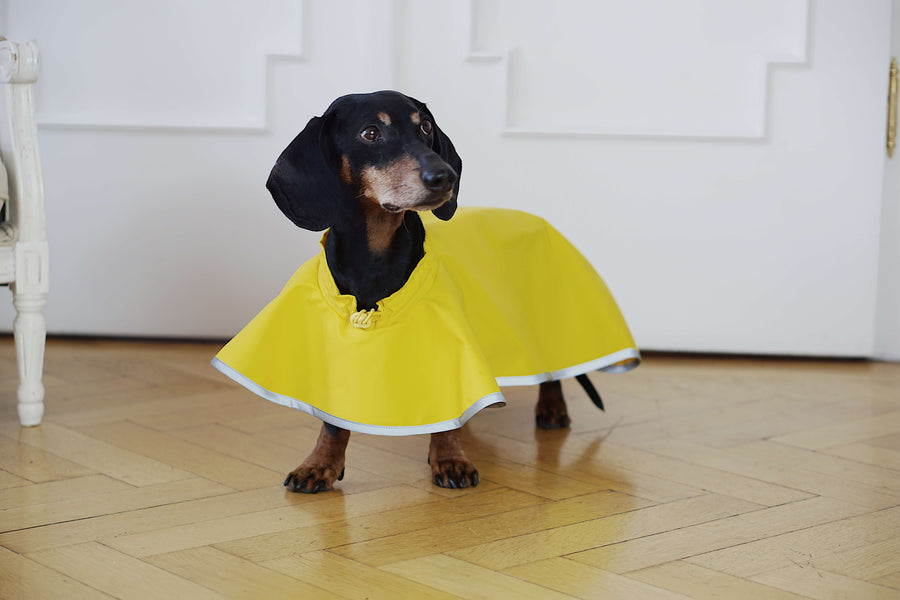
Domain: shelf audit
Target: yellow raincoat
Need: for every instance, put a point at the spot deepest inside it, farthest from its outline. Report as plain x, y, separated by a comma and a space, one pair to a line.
500, 298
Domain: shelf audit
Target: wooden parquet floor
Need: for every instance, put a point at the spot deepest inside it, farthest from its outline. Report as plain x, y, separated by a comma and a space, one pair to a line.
155, 477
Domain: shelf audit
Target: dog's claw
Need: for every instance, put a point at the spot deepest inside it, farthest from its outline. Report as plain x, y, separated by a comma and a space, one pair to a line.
310, 481
341, 476
456, 477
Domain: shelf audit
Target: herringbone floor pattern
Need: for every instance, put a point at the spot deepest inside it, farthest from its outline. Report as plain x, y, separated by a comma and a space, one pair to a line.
154, 477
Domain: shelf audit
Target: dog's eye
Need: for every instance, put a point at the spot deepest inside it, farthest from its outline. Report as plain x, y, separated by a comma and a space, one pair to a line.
426, 127
370, 133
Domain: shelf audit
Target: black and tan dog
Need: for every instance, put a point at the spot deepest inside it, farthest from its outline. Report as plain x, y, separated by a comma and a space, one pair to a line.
364, 169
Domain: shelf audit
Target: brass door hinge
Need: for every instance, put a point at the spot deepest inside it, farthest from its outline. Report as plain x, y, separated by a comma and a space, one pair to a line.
892, 110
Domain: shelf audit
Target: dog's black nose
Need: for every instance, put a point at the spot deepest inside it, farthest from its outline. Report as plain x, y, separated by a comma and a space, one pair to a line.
440, 179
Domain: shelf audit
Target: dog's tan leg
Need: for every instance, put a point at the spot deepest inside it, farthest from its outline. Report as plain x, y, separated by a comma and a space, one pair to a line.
324, 466
551, 412
450, 467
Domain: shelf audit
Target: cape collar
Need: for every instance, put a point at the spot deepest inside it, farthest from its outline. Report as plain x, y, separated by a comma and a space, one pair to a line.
387, 309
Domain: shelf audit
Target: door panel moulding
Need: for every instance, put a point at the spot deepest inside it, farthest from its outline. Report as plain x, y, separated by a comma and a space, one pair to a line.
256, 124
511, 63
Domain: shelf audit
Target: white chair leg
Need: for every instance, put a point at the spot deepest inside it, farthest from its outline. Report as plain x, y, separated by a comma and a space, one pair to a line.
30, 329
30, 332
19, 65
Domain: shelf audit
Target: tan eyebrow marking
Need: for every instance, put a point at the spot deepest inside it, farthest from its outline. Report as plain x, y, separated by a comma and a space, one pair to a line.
415, 118
346, 175
384, 118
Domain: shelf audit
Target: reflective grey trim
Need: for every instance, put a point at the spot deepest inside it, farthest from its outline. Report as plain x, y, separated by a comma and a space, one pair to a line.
495, 398
607, 364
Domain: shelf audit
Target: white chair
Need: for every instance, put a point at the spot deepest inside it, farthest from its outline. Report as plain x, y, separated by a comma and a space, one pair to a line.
23, 232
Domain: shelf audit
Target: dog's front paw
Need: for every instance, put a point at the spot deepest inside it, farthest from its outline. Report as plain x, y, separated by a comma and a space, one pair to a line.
454, 473
312, 479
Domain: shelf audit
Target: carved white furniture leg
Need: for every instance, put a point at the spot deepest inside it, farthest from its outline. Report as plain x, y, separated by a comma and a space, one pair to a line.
27, 225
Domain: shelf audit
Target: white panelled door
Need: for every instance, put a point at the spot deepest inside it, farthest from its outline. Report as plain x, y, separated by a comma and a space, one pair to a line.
719, 161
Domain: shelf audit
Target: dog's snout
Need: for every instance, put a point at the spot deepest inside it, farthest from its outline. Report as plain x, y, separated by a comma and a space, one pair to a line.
439, 179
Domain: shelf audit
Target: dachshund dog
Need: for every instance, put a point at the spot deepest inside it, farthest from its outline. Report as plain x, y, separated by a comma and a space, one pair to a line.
364, 169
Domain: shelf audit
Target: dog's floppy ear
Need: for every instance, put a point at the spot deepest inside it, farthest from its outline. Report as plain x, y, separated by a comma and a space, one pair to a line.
304, 181
444, 147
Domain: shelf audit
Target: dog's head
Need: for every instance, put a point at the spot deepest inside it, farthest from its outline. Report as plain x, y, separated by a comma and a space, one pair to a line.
383, 148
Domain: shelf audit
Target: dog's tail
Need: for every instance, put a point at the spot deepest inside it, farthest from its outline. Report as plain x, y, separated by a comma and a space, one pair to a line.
590, 390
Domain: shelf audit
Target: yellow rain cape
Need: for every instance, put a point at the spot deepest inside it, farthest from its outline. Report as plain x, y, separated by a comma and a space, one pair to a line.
500, 298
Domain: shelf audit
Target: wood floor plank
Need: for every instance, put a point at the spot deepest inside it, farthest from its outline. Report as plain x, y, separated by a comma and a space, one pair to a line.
219, 406
528, 479
350, 579
775, 474
799, 419
738, 416
112, 394
673, 545
467, 580
256, 450
868, 454
804, 545
549, 452
90, 505
212, 501
119, 575
481, 530
98, 455
234, 577
848, 471
36, 465
708, 477
816, 583
8, 480
890, 441
70, 367
560, 540
55, 491
843, 433
125, 364
185, 456
217, 531
64, 396
631, 483
157, 410
424, 516
705, 584
24, 578
868, 562
392, 466
284, 449
582, 581
272, 418
891, 581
